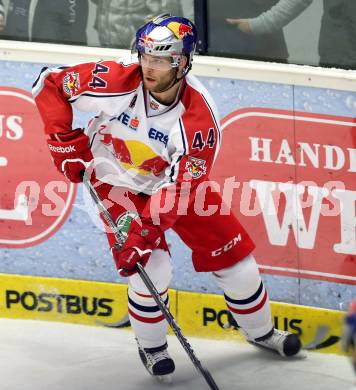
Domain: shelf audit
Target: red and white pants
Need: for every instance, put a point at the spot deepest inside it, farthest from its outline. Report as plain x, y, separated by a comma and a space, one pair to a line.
219, 245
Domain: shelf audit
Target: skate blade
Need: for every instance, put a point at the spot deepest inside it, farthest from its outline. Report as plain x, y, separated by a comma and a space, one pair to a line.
302, 354
263, 348
165, 379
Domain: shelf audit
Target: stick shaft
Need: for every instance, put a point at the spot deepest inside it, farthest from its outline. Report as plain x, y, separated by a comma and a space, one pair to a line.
152, 289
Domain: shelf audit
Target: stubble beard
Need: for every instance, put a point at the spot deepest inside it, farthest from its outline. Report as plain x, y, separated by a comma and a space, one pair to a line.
164, 85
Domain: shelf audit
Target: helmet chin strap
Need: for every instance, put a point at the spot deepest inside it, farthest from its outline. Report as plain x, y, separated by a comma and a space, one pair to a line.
173, 83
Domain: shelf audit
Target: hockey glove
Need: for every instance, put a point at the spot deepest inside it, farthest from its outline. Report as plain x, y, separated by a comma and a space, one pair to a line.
140, 243
71, 153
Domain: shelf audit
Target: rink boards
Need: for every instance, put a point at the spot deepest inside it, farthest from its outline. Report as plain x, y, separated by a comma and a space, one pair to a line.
287, 167
201, 315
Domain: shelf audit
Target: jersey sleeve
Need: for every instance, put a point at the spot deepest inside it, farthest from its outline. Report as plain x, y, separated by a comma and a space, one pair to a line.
201, 139
87, 86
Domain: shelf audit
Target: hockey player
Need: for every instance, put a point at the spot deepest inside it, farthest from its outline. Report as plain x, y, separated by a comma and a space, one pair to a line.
152, 146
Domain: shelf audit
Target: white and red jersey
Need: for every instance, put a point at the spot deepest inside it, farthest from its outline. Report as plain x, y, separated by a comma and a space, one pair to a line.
145, 143
146, 147
137, 142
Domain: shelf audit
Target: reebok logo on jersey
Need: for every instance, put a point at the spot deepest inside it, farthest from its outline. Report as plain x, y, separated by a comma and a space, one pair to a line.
61, 149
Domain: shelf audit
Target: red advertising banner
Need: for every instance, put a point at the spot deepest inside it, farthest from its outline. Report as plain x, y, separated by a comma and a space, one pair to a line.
294, 189
35, 199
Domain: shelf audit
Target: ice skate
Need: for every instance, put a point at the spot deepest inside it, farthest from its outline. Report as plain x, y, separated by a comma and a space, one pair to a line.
157, 362
285, 343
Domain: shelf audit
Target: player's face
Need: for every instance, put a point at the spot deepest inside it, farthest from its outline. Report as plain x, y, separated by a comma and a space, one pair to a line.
158, 73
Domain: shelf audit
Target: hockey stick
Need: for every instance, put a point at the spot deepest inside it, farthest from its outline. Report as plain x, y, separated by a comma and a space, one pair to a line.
151, 288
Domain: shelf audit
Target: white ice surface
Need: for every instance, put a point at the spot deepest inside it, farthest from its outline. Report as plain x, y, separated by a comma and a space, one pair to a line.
37, 355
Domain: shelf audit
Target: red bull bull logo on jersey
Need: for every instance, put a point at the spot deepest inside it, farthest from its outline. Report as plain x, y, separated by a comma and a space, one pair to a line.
135, 155
180, 30
196, 167
71, 83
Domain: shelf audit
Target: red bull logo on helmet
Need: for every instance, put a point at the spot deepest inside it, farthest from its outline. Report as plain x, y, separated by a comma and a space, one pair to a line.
71, 83
135, 155
146, 41
180, 30
147, 38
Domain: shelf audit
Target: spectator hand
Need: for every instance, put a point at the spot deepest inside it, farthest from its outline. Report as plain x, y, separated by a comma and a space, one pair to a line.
141, 241
241, 24
71, 153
